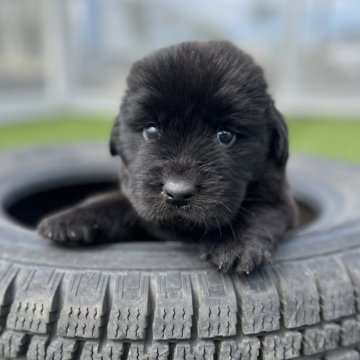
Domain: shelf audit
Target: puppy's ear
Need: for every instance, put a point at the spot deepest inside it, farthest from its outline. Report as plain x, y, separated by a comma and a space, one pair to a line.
114, 137
279, 144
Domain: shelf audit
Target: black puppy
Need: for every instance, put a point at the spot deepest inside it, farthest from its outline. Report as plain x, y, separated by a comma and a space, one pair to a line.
203, 154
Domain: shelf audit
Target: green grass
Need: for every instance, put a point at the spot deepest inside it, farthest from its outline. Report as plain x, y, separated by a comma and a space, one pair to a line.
55, 128
338, 138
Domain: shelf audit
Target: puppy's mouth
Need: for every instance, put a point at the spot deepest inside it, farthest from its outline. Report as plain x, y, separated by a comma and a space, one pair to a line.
179, 209
180, 213
184, 211
192, 215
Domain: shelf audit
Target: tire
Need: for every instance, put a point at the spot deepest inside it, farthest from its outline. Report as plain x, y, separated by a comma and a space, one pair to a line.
152, 300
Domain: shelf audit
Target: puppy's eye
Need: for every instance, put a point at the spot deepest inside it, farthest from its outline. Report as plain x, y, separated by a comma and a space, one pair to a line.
225, 137
151, 132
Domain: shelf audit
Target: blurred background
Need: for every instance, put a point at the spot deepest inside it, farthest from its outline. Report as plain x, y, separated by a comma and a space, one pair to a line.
63, 63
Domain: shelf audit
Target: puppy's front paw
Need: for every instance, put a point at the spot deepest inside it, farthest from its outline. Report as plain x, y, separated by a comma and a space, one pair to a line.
76, 226
243, 257
220, 255
254, 253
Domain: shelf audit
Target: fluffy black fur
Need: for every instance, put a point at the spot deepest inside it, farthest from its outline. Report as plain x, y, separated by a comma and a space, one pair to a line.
242, 205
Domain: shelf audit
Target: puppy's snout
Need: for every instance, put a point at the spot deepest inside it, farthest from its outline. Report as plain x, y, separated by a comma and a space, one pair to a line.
178, 192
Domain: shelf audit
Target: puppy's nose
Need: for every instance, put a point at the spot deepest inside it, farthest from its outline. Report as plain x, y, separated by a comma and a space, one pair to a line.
178, 192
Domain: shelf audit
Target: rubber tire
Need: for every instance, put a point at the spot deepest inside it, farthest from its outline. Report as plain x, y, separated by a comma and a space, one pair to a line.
160, 300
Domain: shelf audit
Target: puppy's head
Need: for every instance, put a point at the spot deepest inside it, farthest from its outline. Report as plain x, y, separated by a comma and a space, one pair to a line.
196, 127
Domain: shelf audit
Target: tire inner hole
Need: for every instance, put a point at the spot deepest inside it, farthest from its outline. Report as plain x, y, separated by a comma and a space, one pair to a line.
29, 209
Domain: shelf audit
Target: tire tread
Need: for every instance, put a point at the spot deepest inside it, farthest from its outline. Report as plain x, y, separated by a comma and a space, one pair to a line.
288, 311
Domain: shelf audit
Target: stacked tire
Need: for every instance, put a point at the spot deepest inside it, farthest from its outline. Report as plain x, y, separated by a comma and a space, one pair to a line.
152, 300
